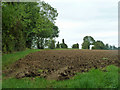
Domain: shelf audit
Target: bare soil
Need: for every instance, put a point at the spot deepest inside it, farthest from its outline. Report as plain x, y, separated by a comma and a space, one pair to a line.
61, 64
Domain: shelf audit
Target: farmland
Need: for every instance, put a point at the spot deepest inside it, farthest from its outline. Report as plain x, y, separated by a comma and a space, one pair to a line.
40, 52
60, 65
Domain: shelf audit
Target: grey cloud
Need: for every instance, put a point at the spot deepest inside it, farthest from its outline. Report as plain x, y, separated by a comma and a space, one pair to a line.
78, 18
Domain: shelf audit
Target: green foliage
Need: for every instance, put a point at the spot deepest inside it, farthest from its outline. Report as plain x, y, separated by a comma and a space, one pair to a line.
104, 58
26, 83
11, 58
9, 26
114, 48
99, 45
55, 31
107, 47
87, 41
58, 45
63, 45
63, 41
48, 11
95, 78
85, 45
52, 44
118, 48
45, 27
17, 28
32, 11
25, 22
75, 46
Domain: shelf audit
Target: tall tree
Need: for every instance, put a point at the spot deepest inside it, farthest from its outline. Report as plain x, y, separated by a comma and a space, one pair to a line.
85, 45
48, 11
63, 45
99, 45
13, 26
107, 47
75, 46
26, 22
46, 28
58, 45
87, 41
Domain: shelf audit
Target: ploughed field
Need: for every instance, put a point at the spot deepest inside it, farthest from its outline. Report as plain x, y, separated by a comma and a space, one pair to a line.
61, 64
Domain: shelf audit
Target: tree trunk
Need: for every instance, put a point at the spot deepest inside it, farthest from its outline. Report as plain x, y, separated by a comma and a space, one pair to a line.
41, 43
38, 44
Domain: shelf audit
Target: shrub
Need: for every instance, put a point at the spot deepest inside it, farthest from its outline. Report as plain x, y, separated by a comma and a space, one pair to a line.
63, 45
58, 45
75, 46
85, 45
52, 44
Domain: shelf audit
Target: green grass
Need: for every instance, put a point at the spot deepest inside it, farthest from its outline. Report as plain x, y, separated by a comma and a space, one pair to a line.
62, 49
8, 59
25, 83
104, 58
95, 78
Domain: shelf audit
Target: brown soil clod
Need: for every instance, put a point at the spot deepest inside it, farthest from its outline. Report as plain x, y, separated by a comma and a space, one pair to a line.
61, 64
61, 74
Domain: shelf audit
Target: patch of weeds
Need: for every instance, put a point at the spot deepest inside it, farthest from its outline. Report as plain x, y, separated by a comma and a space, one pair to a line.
8, 59
95, 78
104, 58
39, 71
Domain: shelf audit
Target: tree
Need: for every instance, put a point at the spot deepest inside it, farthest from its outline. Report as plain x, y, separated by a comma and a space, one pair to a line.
45, 24
118, 48
13, 26
58, 45
111, 47
114, 48
55, 31
52, 44
99, 45
75, 46
107, 47
47, 11
63, 45
87, 41
63, 41
85, 45
33, 13
27, 23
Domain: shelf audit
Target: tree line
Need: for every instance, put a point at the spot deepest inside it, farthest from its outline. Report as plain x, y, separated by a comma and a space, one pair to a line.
27, 23
87, 41
32, 24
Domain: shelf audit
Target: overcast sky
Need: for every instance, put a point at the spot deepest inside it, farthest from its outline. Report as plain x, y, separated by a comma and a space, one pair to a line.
79, 18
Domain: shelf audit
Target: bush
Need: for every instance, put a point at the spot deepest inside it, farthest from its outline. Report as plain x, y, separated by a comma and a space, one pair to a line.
75, 46
58, 45
85, 45
99, 45
63, 45
52, 44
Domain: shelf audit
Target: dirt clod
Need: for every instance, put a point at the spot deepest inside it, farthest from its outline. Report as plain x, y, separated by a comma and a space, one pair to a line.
61, 64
